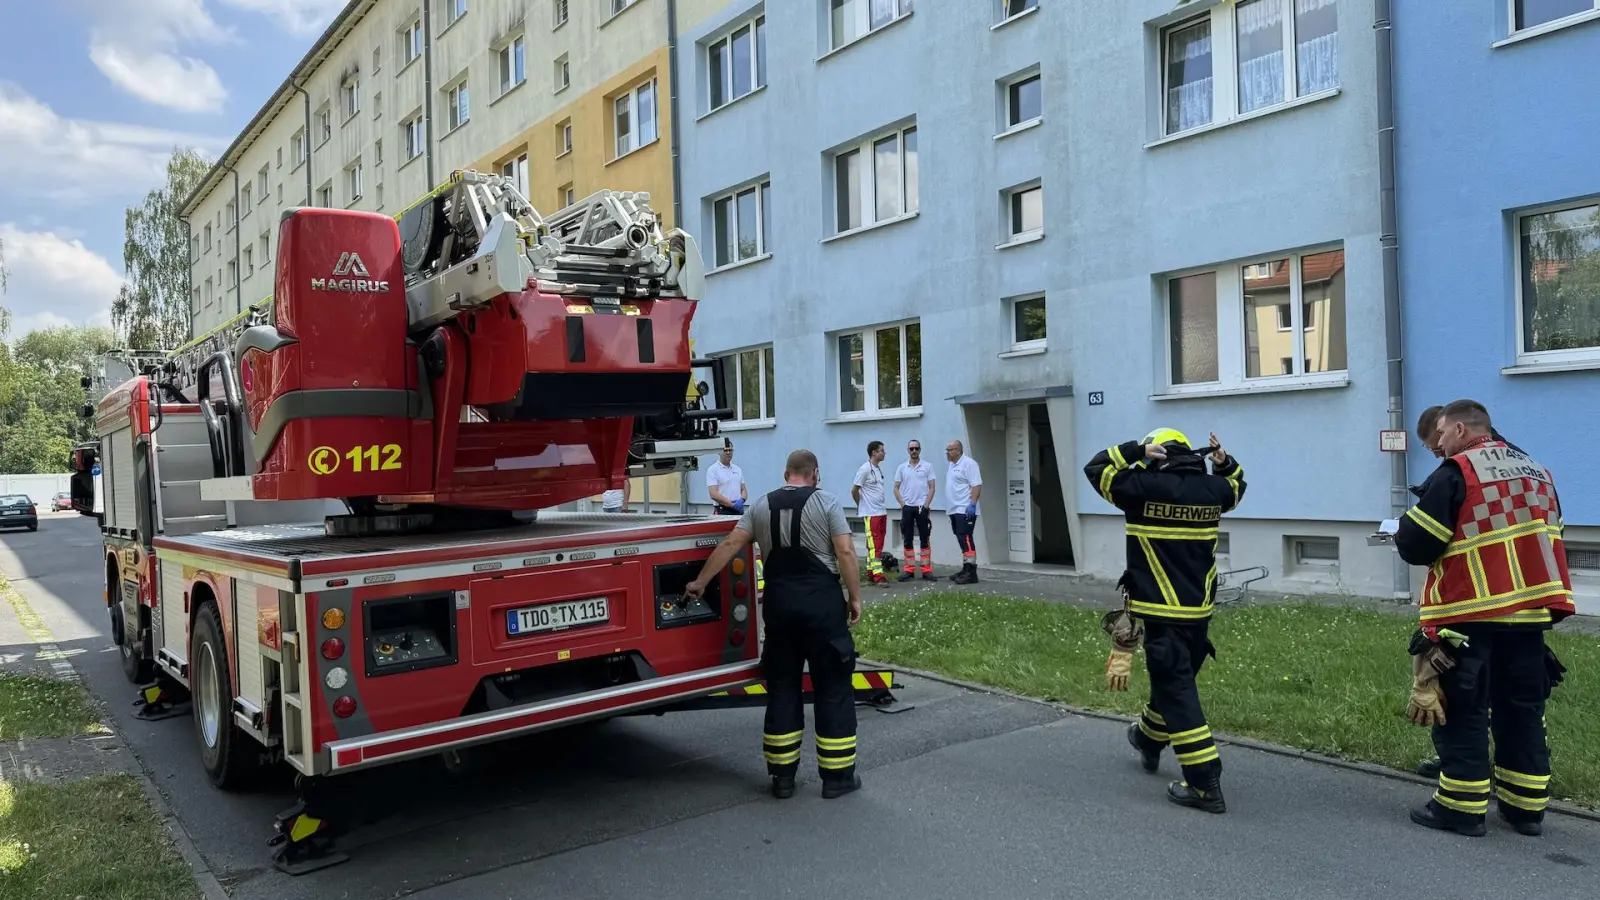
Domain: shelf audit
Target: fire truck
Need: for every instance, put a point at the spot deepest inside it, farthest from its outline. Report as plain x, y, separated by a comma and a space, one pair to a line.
331, 526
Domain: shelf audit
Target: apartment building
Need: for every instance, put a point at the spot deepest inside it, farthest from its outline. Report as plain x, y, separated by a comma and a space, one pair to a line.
1498, 134
1043, 228
566, 96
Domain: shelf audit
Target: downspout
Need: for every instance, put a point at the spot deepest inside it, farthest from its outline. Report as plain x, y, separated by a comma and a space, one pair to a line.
188, 274
677, 184
238, 274
427, 89
305, 145
1389, 241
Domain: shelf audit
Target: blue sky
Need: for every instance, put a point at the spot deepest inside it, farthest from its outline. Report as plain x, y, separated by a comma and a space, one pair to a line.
93, 96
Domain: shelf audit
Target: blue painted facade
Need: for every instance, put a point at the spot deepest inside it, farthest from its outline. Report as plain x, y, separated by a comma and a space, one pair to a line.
1126, 208
1487, 130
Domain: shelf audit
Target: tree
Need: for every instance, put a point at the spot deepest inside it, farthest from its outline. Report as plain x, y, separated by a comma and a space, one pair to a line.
5, 314
152, 309
41, 391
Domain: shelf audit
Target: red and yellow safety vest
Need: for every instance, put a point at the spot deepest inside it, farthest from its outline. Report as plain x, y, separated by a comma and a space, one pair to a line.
1505, 561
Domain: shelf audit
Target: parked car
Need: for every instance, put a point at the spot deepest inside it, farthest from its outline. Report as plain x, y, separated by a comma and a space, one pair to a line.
17, 510
61, 503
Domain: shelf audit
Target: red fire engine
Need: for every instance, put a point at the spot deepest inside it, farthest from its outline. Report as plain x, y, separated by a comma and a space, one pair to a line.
330, 528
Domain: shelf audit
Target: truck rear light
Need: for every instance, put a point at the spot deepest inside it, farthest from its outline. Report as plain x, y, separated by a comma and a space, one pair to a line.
333, 619
740, 589
344, 707
740, 612
736, 637
337, 678
332, 648
737, 566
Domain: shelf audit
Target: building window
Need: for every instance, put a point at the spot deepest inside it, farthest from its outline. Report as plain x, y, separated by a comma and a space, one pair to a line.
325, 196
618, 6
377, 60
1314, 552
1027, 322
736, 64
1024, 212
459, 108
377, 152
512, 69
350, 94
352, 182
249, 261
230, 215
411, 42
634, 117
1558, 262
1010, 9
1024, 100
324, 125
560, 13
1282, 317
415, 136
233, 274
888, 189
517, 171
244, 200
1533, 13
753, 388
564, 137
880, 369
297, 147
563, 73
280, 156
261, 184
207, 234
739, 221
211, 292
454, 9
564, 196
851, 20
1280, 49
266, 250
280, 192
377, 105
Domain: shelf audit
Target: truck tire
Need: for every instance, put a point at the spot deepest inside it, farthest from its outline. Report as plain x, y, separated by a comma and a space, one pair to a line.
136, 663
229, 755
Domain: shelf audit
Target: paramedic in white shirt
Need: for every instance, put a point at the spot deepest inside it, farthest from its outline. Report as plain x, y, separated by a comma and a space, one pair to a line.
867, 490
914, 487
962, 485
613, 501
725, 483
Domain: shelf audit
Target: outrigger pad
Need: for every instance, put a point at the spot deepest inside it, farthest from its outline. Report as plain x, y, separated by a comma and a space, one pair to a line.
161, 701
304, 843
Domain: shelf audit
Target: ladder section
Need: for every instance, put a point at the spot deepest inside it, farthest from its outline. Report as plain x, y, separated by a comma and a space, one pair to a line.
183, 460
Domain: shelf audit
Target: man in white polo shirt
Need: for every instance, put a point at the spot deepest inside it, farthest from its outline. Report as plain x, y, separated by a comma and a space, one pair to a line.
867, 490
914, 487
963, 484
725, 483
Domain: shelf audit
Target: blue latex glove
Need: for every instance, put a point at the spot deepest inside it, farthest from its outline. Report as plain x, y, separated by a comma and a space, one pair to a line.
972, 509
738, 505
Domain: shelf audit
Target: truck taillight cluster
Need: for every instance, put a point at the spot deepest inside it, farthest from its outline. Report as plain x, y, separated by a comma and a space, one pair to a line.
333, 650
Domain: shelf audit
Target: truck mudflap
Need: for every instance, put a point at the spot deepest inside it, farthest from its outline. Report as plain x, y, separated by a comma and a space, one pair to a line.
873, 687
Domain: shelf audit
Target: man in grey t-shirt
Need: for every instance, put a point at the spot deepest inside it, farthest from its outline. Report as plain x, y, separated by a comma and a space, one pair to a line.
805, 548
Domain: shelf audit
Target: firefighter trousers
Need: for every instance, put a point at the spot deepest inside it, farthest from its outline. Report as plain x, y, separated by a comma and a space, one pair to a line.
820, 639
1503, 669
1174, 653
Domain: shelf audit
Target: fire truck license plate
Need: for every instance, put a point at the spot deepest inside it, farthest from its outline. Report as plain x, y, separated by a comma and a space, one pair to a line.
555, 616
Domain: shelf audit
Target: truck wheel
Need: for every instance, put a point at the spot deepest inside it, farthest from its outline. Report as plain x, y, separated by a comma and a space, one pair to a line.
135, 662
226, 752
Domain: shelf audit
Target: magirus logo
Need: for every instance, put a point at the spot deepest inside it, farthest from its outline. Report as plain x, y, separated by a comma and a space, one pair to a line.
350, 275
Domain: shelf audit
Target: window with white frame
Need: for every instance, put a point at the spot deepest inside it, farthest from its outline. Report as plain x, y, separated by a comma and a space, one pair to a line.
620, 5
876, 180
244, 200
1558, 262
736, 63
1026, 314
230, 215
377, 105
415, 136
350, 97
233, 274
211, 292
1527, 14
352, 182
377, 152
563, 73
458, 106
1238, 58
513, 69
750, 378
1273, 318
558, 13
207, 233
325, 195
634, 118
280, 156
851, 20
454, 9
261, 184
739, 223
377, 60
297, 147
1024, 101
411, 42
324, 124
517, 170
1024, 211
378, 196
566, 196
880, 369
564, 137
1010, 9
266, 249
249, 257
280, 192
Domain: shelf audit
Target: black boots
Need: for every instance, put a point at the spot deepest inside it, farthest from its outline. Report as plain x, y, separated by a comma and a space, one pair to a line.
1529, 827
1429, 768
1150, 759
782, 787
832, 789
1430, 816
967, 575
1206, 799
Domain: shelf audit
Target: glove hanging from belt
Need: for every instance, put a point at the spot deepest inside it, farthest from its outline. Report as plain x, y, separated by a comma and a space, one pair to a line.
1430, 658
1125, 632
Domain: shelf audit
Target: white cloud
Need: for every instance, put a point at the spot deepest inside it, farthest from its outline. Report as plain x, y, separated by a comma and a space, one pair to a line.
48, 157
136, 46
55, 281
298, 17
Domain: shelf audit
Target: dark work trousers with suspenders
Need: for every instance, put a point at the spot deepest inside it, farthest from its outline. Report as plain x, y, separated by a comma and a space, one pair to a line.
806, 622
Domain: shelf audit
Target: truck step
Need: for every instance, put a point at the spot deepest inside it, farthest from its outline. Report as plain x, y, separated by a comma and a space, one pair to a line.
186, 482
165, 447
218, 517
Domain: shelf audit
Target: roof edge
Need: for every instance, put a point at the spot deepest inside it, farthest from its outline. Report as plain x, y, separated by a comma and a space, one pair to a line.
340, 26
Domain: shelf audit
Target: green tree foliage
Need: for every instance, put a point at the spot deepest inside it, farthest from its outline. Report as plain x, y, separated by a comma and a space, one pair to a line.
41, 393
5, 314
152, 309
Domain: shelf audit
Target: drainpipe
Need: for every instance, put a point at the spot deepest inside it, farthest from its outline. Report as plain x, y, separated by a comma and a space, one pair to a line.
238, 274
1399, 496
427, 90
188, 273
677, 181
305, 146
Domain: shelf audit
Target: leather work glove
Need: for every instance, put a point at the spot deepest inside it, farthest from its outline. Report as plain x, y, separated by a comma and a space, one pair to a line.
1119, 668
1426, 705
1125, 632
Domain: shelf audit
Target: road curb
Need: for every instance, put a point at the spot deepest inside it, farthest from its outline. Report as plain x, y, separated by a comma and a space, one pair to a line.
1366, 768
210, 887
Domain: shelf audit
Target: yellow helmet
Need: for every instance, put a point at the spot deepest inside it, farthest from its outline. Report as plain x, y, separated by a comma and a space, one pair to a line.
1167, 436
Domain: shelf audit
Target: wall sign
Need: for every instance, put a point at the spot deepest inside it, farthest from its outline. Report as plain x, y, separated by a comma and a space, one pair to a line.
1392, 441
1097, 398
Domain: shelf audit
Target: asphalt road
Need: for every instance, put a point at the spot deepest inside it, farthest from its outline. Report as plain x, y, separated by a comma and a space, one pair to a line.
967, 795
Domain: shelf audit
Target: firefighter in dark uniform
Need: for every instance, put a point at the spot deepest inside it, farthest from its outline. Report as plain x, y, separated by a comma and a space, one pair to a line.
806, 545
1172, 507
1489, 528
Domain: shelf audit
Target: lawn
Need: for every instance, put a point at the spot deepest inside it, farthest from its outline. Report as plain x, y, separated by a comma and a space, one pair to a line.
1326, 679
34, 707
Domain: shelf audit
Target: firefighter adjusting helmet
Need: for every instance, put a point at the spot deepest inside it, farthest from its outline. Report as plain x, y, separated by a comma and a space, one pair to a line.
1175, 442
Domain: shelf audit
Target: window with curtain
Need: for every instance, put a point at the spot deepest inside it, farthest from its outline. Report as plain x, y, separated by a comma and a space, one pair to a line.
1188, 76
